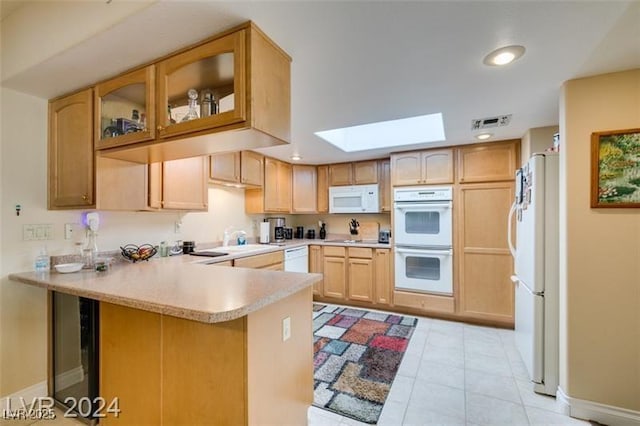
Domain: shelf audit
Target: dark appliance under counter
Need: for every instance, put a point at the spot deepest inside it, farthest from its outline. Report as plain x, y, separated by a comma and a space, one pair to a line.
74, 355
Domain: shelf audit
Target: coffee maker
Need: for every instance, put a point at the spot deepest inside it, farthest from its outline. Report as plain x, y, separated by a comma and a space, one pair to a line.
276, 229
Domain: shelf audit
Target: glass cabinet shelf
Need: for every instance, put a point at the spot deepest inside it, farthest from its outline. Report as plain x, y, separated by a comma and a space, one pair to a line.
124, 109
202, 88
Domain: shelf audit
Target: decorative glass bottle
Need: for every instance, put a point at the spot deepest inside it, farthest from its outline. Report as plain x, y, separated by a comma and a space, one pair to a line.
193, 107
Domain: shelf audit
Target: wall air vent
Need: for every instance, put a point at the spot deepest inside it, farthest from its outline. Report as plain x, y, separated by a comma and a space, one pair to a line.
487, 123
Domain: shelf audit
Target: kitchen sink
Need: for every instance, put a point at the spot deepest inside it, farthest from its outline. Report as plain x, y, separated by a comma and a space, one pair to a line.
225, 250
208, 253
344, 241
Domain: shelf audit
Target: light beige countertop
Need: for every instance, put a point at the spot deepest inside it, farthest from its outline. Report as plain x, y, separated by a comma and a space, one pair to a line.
178, 286
268, 248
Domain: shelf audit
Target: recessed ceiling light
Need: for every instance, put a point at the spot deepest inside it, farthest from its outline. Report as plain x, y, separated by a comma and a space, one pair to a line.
484, 136
387, 134
296, 157
504, 55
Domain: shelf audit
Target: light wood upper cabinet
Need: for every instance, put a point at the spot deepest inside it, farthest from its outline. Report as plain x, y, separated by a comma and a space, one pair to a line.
365, 172
359, 173
176, 184
179, 184
71, 156
406, 168
496, 161
422, 167
340, 174
384, 178
275, 195
249, 79
484, 261
284, 187
184, 184
437, 166
225, 167
125, 109
323, 189
251, 168
217, 67
315, 266
304, 189
244, 167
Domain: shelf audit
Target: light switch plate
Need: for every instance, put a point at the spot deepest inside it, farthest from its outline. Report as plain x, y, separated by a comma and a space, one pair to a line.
286, 329
37, 232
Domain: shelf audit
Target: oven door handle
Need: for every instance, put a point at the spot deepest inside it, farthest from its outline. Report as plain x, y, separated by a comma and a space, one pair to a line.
438, 253
429, 206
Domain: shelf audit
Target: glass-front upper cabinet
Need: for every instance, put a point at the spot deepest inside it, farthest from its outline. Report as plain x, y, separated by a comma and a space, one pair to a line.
203, 88
125, 109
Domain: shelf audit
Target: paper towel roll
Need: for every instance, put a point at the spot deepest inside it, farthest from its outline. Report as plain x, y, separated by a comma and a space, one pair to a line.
264, 232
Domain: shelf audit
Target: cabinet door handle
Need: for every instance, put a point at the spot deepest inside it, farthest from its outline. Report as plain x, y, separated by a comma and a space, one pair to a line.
160, 128
85, 197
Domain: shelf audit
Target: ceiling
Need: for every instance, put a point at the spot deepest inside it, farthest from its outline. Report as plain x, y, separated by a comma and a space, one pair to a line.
358, 62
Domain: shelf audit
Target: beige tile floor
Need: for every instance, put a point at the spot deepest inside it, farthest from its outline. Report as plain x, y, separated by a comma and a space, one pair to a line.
460, 374
452, 374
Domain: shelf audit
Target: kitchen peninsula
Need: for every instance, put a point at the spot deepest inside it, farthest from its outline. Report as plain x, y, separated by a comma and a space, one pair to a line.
183, 342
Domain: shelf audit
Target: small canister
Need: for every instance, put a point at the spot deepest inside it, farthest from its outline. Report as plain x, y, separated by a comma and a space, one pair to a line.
311, 234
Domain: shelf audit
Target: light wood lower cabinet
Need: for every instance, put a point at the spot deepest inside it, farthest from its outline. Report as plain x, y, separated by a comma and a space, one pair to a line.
335, 272
484, 261
382, 275
315, 266
273, 261
168, 371
358, 274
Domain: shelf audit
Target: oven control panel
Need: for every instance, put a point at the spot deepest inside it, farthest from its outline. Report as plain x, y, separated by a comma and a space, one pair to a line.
423, 194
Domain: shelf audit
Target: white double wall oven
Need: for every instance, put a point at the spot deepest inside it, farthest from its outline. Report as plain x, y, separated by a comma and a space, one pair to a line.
423, 237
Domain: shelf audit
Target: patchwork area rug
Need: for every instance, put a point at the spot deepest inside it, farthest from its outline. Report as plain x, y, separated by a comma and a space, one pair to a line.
356, 357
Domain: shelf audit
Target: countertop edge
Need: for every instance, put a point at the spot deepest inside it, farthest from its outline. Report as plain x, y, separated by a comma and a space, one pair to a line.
185, 313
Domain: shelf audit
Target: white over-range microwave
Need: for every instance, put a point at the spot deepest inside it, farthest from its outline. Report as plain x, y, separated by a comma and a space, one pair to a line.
354, 199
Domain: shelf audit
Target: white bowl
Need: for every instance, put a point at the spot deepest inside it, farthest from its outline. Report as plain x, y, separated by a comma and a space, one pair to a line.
66, 268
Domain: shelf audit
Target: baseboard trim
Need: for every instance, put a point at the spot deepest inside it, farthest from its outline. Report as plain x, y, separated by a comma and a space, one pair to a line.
69, 378
39, 390
602, 413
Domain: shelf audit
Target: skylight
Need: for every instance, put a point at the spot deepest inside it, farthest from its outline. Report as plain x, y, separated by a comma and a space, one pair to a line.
387, 134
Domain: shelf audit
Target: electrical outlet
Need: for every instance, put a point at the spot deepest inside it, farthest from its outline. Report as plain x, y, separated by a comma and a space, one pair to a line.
68, 231
286, 329
177, 227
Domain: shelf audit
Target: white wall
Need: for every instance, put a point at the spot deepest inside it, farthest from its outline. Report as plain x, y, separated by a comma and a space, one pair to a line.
599, 252
537, 139
23, 180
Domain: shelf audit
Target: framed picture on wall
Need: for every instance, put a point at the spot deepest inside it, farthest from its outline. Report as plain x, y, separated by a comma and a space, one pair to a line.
615, 168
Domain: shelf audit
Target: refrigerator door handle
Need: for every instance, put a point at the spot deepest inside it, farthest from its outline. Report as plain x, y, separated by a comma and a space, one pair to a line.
514, 280
512, 211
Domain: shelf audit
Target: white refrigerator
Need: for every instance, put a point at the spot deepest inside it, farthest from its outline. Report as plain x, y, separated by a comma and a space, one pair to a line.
535, 211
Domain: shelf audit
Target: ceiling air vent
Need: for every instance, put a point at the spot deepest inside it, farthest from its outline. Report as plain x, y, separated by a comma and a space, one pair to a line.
487, 123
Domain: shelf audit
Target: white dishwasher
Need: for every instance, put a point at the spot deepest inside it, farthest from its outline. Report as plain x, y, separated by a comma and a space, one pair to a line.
296, 259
